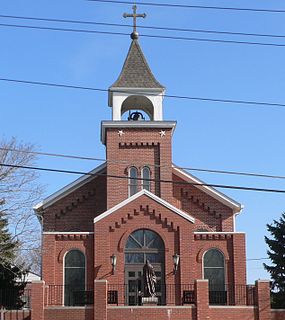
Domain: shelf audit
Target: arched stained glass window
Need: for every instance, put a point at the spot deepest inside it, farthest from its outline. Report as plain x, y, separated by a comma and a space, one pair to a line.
214, 269
133, 182
146, 177
144, 245
74, 276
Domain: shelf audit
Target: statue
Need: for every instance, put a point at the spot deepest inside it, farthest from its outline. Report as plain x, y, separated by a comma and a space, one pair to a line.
149, 279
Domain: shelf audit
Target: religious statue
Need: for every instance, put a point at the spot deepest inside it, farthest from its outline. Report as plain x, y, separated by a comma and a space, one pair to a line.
149, 279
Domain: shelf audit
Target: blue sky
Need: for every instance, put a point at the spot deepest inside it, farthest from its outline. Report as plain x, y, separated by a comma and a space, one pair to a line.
208, 135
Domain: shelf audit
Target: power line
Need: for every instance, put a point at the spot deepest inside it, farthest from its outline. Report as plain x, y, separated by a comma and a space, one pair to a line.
143, 179
257, 259
50, 84
142, 27
144, 35
185, 6
60, 155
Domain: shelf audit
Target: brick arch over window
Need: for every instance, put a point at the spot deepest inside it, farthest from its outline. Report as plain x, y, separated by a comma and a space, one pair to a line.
209, 247
125, 236
64, 251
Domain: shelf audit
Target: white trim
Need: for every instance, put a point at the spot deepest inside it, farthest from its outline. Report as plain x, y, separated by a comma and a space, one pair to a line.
217, 232
150, 195
136, 124
63, 192
227, 201
69, 232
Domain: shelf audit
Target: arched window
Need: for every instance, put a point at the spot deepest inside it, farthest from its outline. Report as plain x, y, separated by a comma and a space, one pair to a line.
146, 177
144, 245
74, 276
133, 183
214, 269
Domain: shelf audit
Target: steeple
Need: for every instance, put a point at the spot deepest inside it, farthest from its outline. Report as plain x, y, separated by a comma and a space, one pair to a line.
136, 87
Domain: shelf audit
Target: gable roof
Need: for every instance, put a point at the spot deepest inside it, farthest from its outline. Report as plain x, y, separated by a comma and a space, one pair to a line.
221, 197
151, 196
63, 192
136, 73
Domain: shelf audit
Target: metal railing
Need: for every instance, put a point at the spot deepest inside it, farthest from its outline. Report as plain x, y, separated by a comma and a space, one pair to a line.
232, 295
14, 299
170, 294
60, 295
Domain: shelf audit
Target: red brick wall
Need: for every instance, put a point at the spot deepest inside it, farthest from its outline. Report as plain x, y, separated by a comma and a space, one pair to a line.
69, 313
277, 314
54, 249
164, 313
209, 213
232, 313
138, 147
76, 211
111, 234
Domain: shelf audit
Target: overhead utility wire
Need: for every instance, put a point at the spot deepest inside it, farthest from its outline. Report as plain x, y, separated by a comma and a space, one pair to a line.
59, 85
142, 27
143, 179
186, 6
144, 35
60, 155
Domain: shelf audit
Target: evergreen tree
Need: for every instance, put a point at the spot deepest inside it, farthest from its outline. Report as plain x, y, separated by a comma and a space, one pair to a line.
12, 282
276, 254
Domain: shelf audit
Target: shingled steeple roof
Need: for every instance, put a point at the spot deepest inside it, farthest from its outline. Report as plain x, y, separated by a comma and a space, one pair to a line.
136, 72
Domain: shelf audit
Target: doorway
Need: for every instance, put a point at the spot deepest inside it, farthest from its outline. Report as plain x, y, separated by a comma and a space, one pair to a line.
143, 245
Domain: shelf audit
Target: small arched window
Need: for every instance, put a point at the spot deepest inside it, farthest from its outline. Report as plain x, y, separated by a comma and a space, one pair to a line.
214, 269
74, 276
133, 182
146, 177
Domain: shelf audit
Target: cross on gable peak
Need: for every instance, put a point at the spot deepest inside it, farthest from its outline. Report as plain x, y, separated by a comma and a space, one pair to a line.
134, 15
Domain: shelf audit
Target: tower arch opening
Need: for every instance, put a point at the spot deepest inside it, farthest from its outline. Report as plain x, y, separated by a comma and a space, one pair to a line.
137, 102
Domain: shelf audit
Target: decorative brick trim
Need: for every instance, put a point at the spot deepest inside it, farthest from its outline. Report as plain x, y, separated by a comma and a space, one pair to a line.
211, 246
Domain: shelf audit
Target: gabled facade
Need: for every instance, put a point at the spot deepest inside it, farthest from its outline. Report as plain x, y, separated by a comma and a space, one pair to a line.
99, 231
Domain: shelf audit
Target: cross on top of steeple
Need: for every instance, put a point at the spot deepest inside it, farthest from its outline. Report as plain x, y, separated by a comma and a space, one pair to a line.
134, 15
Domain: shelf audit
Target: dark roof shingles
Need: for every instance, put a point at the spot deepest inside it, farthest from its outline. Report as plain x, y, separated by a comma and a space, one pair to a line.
136, 72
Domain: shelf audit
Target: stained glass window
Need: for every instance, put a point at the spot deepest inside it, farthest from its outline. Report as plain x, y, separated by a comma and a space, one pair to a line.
214, 269
133, 183
74, 275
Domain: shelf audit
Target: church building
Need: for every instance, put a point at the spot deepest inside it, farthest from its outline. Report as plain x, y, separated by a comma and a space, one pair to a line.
138, 237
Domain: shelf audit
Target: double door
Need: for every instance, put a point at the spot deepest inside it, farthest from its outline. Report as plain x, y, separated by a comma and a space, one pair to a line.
134, 284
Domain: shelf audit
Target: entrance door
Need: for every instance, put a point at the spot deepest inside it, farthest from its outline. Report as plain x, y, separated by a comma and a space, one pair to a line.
143, 245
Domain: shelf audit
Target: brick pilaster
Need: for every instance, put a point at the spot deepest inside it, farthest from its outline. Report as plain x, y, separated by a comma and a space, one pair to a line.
263, 299
202, 299
100, 300
37, 300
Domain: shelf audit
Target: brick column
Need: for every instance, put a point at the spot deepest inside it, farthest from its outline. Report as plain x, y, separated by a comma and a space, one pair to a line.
37, 300
100, 300
263, 299
202, 299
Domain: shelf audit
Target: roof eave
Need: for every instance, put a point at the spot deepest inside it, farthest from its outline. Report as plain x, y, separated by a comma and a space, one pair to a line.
227, 201
63, 192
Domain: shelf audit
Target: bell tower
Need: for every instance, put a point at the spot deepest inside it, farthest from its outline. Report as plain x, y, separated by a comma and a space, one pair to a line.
138, 140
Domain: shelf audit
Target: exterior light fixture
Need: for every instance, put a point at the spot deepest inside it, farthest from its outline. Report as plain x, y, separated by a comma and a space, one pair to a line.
176, 259
113, 263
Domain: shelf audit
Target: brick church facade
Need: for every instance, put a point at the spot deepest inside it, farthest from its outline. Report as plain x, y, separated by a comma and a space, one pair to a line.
99, 230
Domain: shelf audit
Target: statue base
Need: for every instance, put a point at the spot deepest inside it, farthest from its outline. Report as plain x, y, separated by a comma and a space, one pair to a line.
149, 301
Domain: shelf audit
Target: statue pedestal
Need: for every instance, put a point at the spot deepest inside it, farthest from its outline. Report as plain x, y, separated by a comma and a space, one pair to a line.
149, 301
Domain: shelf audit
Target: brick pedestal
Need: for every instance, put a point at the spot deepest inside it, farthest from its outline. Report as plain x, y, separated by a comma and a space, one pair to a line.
37, 300
100, 300
263, 299
202, 299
